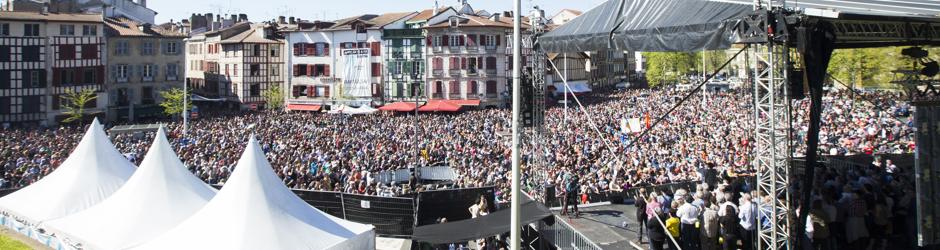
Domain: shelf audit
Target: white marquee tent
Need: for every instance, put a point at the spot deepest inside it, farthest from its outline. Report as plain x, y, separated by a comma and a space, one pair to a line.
159, 196
255, 210
93, 171
347, 110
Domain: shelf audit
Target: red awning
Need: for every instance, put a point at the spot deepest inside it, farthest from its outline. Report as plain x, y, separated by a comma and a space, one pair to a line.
303, 107
466, 102
440, 106
399, 106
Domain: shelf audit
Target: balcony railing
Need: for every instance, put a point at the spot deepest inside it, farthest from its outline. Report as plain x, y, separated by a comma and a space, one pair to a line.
490, 48
472, 72
438, 49
437, 96
454, 72
437, 72
453, 96
417, 55
473, 48
492, 96
454, 49
490, 72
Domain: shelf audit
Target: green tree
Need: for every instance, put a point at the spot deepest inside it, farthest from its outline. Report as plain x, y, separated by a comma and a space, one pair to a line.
668, 67
75, 102
173, 101
274, 97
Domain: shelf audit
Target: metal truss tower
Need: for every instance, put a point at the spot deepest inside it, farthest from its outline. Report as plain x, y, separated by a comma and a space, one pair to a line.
772, 150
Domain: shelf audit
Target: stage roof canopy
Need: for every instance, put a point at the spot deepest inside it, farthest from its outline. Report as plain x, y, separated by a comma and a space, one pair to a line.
694, 25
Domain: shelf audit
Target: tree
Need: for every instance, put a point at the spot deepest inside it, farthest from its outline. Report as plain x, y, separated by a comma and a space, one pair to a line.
274, 97
668, 67
173, 101
75, 102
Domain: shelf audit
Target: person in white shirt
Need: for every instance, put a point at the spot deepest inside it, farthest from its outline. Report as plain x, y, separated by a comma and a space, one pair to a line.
747, 214
688, 216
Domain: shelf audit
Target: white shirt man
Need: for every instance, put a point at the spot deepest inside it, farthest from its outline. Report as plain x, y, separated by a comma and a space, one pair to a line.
688, 213
747, 213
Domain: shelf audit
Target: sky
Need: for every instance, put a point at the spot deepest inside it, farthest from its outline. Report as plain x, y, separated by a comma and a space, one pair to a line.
262, 10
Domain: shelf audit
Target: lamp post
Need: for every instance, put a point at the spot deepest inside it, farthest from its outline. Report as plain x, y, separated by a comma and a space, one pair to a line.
515, 230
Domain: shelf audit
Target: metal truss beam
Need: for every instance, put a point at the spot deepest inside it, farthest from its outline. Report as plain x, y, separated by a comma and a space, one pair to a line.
865, 33
772, 148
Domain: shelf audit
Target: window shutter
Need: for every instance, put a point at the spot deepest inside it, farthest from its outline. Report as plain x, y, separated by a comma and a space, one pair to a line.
310, 70
113, 73
156, 70
462, 40
326, 49
311, 91
497, 38
326, 91
376, 68
445, 41
295, 91
429, 42
376, 49
480, 62
326, 72
463, 63
298, 49
310, 49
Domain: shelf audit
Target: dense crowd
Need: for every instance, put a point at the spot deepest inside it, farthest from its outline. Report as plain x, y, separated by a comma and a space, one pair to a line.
344, 153
854, 208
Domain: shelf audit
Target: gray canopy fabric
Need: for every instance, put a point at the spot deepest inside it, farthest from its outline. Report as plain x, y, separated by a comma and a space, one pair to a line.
649, 25
678, 25
589, 32
910, 8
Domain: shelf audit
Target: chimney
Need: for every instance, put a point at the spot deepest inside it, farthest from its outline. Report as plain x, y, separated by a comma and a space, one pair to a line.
142, 3
436, 6
292, 20
495, 17
234, 18
282, 20
45, 9
242, 17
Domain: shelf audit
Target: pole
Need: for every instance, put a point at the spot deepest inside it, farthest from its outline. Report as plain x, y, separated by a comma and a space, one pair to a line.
515, 224
566, 89
704, 93
185, 111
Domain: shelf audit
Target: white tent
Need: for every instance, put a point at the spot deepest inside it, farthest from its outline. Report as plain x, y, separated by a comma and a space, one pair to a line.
347, 110
93, 171
160, 195
575, 87
255, 210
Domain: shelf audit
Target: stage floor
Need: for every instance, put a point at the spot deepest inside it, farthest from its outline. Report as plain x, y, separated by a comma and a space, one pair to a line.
604, 225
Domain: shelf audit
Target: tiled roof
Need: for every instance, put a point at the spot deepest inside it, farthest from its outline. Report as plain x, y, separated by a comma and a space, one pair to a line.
128, 27
388, 18
50, 17
251, 35
479, 21
424, 15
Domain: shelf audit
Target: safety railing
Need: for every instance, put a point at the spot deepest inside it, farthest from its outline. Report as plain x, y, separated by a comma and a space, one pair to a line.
564, 237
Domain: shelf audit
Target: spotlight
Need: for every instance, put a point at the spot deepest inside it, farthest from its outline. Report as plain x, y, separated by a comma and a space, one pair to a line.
930, 69
915, 52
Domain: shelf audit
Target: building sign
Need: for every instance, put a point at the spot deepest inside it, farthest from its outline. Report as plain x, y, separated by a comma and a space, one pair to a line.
357, 77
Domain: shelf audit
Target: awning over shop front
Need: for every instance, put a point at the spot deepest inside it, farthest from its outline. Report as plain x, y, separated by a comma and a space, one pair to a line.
440, 106
466, 102
399, 107
303, 107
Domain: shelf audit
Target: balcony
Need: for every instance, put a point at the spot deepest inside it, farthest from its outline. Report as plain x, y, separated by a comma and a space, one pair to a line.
454, 49
492, 96
437, 49
473, 48
437, 72
417, 55
490, 48
453, 72
437, 96
490, 72
473, 72
172, 78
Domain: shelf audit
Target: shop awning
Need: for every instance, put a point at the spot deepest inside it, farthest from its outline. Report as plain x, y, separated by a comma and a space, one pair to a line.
466, 102
399, 106
440, 106
303, 107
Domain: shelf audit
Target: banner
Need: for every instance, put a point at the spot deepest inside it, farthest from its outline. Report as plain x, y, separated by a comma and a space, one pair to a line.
630, 126
927, 170
357, 73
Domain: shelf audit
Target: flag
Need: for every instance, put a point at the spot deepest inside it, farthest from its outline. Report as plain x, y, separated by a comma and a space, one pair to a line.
647, 120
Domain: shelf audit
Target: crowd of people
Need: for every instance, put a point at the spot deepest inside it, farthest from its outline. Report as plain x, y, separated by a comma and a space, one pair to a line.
319, 151
854, 208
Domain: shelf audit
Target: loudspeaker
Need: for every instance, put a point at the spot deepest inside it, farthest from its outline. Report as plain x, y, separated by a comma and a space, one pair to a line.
549, 192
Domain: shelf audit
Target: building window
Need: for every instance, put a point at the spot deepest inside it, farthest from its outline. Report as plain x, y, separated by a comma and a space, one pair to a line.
90, 76
66, 52
121, 73
66, 30
254, 69
235, 69
5, 54
254, 90
67, 76
35, 79
171, 71
454, 22
146, 96
360, 29
256, 50
89, 30
4, 29
147, 72
120, 48
146, 48
275, 51
32, 104
275, 69
31, 53
171, 48
31, 29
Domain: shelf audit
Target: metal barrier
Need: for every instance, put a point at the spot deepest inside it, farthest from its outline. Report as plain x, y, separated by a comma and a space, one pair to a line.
564, 237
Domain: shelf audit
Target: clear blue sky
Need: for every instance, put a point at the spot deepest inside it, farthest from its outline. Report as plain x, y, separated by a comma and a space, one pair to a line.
261, 10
